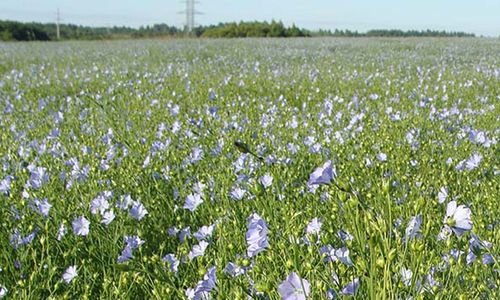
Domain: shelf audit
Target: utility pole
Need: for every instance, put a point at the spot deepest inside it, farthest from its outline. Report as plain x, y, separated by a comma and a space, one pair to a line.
58, 19
190, 12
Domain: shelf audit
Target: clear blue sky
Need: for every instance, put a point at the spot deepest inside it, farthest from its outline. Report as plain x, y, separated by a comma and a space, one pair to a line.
478, 16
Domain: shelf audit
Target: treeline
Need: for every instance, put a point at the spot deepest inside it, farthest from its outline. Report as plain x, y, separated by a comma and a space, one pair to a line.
392, 33
250, 29
18, 31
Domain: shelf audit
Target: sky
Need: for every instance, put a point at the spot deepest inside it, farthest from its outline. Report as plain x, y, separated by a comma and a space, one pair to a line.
481, 17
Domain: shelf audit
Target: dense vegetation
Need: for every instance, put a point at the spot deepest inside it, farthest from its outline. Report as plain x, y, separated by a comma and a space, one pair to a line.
10, 30
251, 29
250, 168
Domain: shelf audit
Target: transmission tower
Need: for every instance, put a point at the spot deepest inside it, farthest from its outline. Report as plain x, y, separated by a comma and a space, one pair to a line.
58, 20
190, 12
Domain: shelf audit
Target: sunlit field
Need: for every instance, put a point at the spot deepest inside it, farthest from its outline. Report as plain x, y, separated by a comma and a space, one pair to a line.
250, 169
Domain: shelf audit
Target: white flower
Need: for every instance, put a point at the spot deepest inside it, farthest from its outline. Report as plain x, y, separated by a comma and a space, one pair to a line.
61, 232
69, 274
442, 195
3, 291
458, 218
406, 275
413, 228
382, 157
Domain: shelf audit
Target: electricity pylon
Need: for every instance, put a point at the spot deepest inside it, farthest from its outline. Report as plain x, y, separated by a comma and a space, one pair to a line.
190, 12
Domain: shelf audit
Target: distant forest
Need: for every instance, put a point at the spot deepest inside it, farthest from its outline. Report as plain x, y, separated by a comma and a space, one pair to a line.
18, 31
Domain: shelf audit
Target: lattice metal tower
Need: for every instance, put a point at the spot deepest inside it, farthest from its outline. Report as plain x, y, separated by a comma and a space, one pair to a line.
190, 13
58, 20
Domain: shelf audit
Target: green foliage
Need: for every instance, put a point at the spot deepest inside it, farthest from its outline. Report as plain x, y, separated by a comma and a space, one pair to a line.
251, 29
22, 32
10, 30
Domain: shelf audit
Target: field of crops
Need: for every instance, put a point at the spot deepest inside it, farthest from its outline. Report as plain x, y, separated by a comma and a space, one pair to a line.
250, 169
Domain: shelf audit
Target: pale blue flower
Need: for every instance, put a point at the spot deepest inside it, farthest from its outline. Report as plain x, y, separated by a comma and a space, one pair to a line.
351, 288
184, 234
237, 193
16, 240
196, 155
138, 211
5, 185
126, 255
108, 217
81, 226
413, 228
43, 207
455, 253
343, 255
471, 257
125, 202
70, 274
476, 244
442, 195
382, 157
172, 231
99, 205
172, 261
331, 294
323, 174
211, 94
204, 232
294, 288
192, 202
256, 235
266, 180
488, 259
473, 162
328, 253
198, 250
344, 235
133, 241
234, 270
314, 227
38, 177
61, 232
203, 287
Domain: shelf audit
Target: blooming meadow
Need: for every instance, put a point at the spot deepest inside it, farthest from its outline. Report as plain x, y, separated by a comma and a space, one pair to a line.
250, 169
